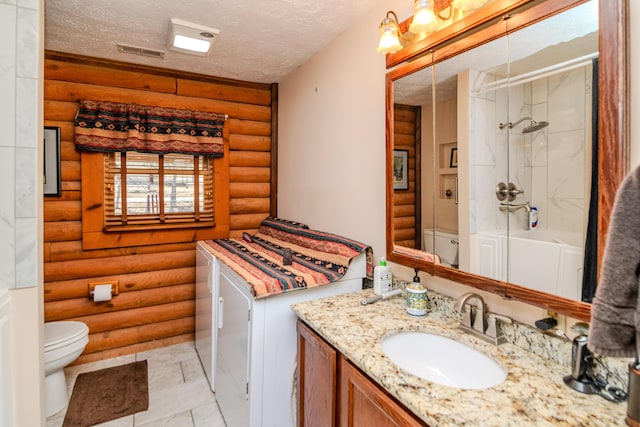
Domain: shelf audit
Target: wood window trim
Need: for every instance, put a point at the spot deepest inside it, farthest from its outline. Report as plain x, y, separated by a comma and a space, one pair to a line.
158, 219
94, 235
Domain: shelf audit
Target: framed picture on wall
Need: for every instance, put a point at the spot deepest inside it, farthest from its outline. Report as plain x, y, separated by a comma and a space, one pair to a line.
453, 162
400, 169
51, 163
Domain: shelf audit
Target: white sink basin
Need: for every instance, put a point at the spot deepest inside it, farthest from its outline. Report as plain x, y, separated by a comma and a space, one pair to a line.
442, 360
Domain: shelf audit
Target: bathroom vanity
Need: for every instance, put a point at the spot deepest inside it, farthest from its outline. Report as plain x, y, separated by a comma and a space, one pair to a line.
366, 381
358, 398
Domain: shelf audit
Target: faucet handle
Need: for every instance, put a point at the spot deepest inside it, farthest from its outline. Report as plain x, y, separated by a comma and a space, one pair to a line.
480, 319
492, 326
466, 318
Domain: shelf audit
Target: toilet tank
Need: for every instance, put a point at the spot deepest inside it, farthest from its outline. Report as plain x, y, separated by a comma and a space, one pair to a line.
446, 245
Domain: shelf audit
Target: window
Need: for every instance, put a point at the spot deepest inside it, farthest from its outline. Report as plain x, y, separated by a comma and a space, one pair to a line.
145, 191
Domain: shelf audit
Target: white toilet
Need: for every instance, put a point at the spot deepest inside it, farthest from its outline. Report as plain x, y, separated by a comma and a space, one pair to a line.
63, 343
446, 245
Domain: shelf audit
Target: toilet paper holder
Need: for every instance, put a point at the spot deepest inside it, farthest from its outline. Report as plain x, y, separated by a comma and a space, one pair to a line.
113, 283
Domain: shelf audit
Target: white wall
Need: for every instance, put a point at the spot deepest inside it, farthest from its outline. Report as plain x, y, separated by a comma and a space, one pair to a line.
332, 146
331, 156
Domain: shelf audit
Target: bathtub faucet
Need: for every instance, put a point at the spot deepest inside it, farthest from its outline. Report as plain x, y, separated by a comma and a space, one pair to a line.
512, 208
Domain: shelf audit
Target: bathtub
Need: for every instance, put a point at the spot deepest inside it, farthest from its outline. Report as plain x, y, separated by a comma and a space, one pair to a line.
544, 260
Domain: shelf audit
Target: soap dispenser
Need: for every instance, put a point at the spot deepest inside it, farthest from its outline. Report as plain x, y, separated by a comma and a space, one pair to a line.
416, 297
382, 279
581, 364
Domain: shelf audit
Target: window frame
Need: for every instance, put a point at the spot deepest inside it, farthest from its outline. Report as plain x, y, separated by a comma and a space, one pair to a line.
161, 219
96, 235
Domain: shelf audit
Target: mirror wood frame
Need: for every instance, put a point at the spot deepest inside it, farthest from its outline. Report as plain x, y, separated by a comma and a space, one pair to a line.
613, 132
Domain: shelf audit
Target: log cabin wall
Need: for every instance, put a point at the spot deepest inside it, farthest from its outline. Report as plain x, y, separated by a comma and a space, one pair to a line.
156, 304
406, 203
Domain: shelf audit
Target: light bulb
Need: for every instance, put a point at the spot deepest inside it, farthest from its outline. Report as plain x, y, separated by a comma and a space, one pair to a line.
423, 17
389, 40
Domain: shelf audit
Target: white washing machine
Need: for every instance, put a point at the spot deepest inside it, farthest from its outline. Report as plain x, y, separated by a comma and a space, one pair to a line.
206, 301
254, 344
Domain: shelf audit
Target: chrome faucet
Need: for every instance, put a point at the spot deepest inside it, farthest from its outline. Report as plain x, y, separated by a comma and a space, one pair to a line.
473, 319
512, 208
477, 321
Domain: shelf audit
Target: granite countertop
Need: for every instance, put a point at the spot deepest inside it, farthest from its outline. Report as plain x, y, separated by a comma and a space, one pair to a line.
533, 393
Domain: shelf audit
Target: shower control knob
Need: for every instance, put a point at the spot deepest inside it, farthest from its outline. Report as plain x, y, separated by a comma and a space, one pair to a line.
513, 191
502, 191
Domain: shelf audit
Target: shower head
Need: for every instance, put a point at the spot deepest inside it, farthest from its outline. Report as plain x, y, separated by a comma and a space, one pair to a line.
533, 126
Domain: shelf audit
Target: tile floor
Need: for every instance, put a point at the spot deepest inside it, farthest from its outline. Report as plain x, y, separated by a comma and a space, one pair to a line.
179, 394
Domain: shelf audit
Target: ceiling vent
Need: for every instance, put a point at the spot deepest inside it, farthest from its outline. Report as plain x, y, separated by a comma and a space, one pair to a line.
142, 51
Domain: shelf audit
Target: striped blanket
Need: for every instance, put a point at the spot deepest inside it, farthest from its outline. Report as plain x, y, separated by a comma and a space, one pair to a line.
318, 258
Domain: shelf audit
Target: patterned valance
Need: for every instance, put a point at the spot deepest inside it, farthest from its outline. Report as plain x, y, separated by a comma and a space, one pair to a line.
110, 126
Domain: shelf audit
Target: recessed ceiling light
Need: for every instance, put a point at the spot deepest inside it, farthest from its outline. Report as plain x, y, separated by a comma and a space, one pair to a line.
187, 37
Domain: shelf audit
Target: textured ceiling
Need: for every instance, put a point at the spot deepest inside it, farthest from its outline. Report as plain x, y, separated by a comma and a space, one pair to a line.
259, 41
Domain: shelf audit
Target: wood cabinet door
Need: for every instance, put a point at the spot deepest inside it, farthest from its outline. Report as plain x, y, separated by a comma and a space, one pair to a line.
363, 404
317, 380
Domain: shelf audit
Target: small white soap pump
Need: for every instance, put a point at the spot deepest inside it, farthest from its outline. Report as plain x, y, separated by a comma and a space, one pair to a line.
382, 277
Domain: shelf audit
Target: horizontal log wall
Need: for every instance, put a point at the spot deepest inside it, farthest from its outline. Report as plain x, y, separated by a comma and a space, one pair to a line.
406, 206
156, 304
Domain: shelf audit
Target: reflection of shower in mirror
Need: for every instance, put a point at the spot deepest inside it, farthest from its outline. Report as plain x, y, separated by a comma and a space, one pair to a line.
533, 126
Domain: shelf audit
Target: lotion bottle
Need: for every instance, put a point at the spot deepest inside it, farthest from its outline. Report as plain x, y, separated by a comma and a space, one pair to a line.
382, 277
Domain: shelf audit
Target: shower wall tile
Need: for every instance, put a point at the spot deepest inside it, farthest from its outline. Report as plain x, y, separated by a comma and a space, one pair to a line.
7, 74
501, 157
566, 165
27, 43
8, 23
479, 79
540, 112
25, 182
502, 114
486, 212
7, 219
482, 145
567, 100
588, 82
558, 151
29, 4
539, 145
26, 255
19, 124
26, 112
517, 158
528, 95
539, 191
518, 108
539, 92
566, 215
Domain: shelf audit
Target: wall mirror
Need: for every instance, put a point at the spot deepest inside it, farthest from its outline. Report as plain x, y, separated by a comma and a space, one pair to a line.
526, 112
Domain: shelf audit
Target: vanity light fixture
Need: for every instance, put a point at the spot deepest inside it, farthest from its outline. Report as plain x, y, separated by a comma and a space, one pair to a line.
187, 37
424, 17
428, 16
389, 34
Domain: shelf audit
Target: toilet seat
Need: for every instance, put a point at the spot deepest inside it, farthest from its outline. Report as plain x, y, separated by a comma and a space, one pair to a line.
61, 334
